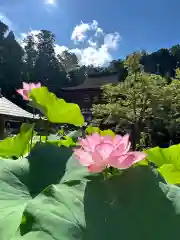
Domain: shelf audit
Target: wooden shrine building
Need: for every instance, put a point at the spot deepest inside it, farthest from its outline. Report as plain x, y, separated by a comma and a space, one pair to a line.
89, 92
11, 113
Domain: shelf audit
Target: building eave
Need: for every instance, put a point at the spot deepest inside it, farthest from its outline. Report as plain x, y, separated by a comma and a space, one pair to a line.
7, 108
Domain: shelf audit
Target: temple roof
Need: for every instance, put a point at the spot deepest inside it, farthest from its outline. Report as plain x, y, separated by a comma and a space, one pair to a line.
10, 109
95, 82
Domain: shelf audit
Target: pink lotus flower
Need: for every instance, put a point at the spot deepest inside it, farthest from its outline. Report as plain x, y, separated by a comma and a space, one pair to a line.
27, 87
99, 152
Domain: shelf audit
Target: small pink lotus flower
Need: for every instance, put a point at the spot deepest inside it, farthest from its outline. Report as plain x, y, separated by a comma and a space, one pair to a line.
99, 152
27, 87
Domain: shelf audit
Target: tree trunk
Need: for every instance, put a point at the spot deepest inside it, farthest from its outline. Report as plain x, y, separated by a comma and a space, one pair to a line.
135, 135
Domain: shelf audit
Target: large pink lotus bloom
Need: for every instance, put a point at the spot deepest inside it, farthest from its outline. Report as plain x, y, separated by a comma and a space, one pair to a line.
99, 152
27, 87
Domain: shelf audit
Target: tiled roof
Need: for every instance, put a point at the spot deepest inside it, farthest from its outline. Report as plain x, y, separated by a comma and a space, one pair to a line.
11, 109
95, 82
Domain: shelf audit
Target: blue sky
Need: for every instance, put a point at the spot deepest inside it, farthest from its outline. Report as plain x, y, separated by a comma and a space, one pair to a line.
97, 30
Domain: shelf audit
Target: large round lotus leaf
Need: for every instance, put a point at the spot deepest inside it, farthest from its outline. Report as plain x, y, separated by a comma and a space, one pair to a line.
173, 194
22, 180
55, 109
14, 195
160, 156
168, 162
129, 206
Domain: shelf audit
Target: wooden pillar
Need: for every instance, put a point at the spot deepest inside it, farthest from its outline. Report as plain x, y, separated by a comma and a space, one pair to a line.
2, 127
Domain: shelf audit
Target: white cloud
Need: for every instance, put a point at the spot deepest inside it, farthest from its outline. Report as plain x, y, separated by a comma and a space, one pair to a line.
80, 31
98, 44
111, 40
93, 56
98, 32
91, 43
97, 47
60, 49
50, 2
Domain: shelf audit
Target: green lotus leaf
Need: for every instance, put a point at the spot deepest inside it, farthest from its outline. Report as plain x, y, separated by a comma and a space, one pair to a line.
16, 146
90, 129
23, 179
131, 205
160, 156
55, 109
170, 173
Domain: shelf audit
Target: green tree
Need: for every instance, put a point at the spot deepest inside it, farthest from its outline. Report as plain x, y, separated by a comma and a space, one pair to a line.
144, 105
70, 65
11, 64
133, 62
132, 104
3, 30
177, 73
68, 60
48, 69
175, 52
30, 58
119, 67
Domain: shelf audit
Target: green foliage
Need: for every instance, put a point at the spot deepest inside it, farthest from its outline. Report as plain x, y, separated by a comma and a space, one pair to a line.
16, 146
50, 196
24, 179
11, 58
70, 216
75, 134
14, 196
91, 129
167, 161
67, 142
145, 105
172, 192
107, 132
68, 60
177, 75
171, 173
157, 156
133, 62
55, 109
